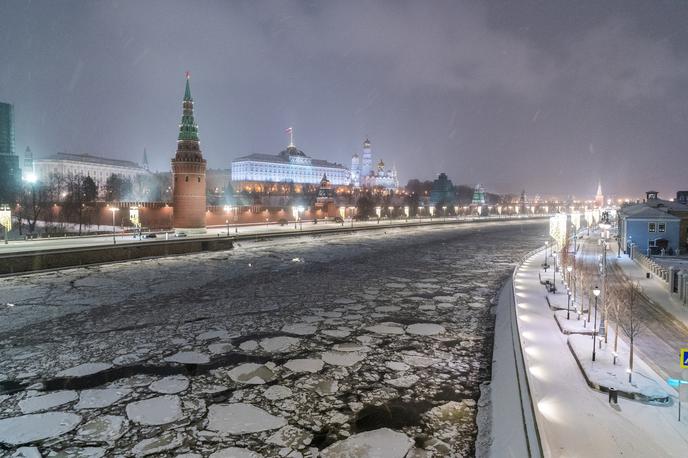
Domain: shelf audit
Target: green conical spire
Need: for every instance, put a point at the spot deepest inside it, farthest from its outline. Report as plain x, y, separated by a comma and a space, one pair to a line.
187, 92
188, 130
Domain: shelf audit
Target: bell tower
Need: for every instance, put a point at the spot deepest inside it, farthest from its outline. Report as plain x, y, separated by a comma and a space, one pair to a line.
188, 172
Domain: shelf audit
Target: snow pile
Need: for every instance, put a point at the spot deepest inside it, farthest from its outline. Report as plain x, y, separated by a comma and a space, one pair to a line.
155, 411
379, 443
47, 401
36, 427
241, 418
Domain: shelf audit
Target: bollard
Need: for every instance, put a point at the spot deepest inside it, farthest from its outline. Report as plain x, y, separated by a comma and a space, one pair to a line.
613, 396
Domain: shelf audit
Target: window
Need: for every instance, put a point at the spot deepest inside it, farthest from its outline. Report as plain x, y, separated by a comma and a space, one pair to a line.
652, 227
661, 227
186, 178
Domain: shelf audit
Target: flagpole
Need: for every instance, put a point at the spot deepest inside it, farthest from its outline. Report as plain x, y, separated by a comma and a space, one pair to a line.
291, 136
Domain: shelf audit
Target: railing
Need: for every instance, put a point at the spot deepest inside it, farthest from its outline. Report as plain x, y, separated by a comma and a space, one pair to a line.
652, 266
530, 426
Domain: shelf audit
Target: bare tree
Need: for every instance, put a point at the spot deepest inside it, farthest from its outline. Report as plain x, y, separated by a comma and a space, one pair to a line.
33, 201
630, 323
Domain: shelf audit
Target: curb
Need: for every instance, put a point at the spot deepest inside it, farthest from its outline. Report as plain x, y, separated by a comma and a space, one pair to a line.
605, 389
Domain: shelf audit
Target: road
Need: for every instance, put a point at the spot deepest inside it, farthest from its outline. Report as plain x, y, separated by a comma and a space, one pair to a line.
21, 246
662, 335
335, 336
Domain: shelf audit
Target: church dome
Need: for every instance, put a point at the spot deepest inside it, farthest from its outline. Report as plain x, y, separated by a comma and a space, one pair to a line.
292, 151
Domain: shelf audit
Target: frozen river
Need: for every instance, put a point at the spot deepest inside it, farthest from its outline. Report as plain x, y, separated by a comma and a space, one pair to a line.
288, 347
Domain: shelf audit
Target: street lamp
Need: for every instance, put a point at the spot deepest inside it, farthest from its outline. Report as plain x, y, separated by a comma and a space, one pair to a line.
596, 292
444, 210
545, 265
554, 273
226, 209
300, 210
568, 304
420, 213
391, 209
113, 210
406, 212
378, 212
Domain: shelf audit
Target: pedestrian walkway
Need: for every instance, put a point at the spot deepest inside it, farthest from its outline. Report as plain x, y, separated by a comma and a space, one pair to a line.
573, 419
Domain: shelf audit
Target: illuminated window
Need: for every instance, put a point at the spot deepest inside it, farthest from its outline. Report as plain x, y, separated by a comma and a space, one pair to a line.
661, 227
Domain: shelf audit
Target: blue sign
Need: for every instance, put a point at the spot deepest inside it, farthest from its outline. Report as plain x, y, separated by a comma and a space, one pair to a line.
684, 358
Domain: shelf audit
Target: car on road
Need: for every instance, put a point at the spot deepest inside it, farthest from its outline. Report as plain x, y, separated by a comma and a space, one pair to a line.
150, 236
338, 219
180, 234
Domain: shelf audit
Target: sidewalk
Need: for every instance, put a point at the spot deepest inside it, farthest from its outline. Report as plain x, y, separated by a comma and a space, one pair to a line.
655, 289
573, 419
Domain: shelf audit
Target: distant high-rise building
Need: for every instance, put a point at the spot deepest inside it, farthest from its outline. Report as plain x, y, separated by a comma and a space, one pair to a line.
10, 172
188, 171
442, 192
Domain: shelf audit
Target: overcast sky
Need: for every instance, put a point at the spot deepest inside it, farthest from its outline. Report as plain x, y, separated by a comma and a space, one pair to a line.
549, 95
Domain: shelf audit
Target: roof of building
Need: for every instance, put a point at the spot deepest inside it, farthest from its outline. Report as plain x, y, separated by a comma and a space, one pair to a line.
88, 159
283, 158
668, 204
643, 211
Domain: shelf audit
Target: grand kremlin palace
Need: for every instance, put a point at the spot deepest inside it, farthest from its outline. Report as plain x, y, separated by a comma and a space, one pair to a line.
291, 166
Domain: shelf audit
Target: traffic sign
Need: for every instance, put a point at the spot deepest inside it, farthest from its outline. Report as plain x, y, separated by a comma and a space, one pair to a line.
684, 358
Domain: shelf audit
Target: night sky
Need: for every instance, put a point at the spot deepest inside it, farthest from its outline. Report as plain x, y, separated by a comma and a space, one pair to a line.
549, 96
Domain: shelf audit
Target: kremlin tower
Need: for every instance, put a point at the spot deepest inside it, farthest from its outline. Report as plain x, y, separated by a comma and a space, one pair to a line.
188, 171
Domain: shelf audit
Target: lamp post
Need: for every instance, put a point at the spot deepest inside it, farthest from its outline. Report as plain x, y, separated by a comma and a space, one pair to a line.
444, 210
596, 292
113, 210
378, 212
420, 213
544, 265
391, 209
568, 304
406, 212
554, 273
226, 209
300, 210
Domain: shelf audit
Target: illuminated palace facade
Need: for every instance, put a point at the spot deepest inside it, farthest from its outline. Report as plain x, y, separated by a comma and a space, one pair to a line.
266, 172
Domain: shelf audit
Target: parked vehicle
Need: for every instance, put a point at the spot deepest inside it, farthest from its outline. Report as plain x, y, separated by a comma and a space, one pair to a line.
180, 234
282, 222
150, 236
338, 219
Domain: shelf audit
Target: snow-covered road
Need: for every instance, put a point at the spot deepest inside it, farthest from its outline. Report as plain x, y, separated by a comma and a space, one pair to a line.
287, 346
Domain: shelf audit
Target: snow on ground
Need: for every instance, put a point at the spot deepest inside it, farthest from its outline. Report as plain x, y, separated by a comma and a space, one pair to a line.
573, 325
198, 344
604, 373
565, 403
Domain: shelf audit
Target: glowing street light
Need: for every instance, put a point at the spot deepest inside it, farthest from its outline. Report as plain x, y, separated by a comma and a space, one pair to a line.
113, 210
444, 210
226, 209
378, 212
391, 209
406, 212
6, 220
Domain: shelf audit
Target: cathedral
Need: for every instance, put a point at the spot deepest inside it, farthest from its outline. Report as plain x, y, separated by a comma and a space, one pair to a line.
363, 175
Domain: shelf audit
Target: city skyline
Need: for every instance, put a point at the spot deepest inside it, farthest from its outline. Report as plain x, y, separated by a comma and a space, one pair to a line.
584, 92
